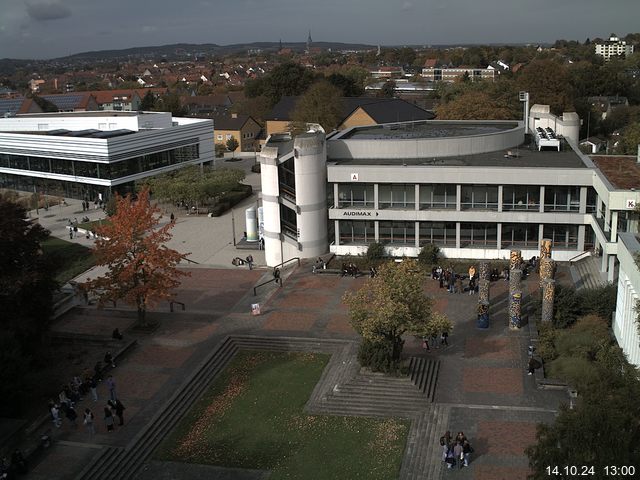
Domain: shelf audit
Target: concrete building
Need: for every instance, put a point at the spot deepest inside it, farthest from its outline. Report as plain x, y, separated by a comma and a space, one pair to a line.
451, 74
625, 324
87, 154
613, 47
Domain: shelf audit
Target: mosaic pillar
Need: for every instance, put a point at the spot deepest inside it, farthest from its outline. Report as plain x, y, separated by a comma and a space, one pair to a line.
483, 315
483, 290
548, 293
485, 274
545, 248
515, 280
515, 310
515, 259
547, 267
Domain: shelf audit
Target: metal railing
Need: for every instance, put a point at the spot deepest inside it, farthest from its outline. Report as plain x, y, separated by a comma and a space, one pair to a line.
287, 261
580, 256
275, 279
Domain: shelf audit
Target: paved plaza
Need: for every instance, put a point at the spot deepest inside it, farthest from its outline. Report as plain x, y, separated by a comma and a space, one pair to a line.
482, 384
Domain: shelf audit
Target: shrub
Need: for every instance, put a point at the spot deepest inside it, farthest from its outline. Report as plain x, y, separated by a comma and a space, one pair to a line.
375, 251
428, 255
571, 304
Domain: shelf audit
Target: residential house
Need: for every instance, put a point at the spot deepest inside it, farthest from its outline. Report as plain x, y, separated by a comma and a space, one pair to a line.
73, 102
206, 105
118, 100
606, 105
241, 127
592, 145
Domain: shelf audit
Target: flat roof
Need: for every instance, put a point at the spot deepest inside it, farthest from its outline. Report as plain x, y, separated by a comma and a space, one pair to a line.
623, 172
520, 157
430, 129
92, 113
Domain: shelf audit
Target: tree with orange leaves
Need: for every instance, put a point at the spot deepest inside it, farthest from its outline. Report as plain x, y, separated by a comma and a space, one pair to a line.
141, 269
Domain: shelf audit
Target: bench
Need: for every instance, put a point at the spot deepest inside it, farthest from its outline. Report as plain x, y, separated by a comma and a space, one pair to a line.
322, 271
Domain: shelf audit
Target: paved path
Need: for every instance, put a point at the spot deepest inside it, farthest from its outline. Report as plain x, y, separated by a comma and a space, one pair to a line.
483, 388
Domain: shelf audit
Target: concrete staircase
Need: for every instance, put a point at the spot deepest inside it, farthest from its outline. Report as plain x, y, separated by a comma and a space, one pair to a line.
586, 273
342, 390
423, 372
423, 454
124, 463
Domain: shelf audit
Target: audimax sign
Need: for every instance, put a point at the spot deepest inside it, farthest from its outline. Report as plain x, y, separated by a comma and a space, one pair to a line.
359, 213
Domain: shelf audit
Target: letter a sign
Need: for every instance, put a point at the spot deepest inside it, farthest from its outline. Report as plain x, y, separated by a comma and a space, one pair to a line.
354, 177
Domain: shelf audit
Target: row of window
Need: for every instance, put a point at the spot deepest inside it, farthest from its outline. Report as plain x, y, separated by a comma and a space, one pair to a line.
473, 197
472, 235
108, 171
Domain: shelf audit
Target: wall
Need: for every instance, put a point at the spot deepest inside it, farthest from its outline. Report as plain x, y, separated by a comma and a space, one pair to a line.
624, 325
357, 118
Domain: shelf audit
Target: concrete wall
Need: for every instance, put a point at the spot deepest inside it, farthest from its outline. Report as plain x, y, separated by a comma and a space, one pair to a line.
426, 147
624, 325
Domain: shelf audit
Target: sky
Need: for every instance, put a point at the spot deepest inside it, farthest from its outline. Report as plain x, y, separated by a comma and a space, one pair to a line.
42, 29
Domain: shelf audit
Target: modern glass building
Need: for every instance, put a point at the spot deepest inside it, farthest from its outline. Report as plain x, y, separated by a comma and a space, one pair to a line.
92, 154
475, 189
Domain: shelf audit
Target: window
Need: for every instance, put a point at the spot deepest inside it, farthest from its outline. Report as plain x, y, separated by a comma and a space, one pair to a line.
402, 233
396, 196
355, 195
520, 197
63, 167
357, 232
519, 235
480, 235
562, 199
592, 200
441, 234
479, 197
438, 197
563, 237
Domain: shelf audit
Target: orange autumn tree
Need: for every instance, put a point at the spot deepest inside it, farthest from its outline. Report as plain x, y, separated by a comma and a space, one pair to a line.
141, 269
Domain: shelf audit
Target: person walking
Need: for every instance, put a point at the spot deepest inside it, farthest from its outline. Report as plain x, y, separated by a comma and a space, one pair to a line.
111, 385
89, 422
108, 419
119, 409
443, 338
425, 344
250, 261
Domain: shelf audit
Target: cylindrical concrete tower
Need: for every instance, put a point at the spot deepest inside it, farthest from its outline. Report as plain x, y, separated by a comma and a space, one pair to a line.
310, 157
270, 205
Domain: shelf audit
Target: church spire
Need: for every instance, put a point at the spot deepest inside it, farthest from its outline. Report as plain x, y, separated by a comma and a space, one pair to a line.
309, 41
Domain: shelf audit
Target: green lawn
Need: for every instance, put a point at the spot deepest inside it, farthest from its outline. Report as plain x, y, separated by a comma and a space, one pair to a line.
70, 259
252, 417
93, 224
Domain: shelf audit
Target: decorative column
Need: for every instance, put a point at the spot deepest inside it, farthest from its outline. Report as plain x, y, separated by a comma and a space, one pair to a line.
515, 288
548, 293
483, 315
515, 310
545, 248
547, 268
483, 296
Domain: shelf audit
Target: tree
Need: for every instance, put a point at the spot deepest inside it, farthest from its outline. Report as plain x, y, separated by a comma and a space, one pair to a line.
604, 420
630, 140
428, 255
322, 104
347, 84
194, 185
26, 297
232, 144
548, 83
388, 89
170, 102
286, 79
148, 102
141, 269
389, 305
475, 105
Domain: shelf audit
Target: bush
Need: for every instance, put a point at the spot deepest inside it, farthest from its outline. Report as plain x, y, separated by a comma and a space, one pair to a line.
428, 255
375, 251
378, 356
570, 304
231, 198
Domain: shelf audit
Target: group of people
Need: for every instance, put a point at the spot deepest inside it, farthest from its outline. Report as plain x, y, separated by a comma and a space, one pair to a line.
319, 264
456, 451
434, 342
84, 385
241, 261
349, 269
455, 283
11, 469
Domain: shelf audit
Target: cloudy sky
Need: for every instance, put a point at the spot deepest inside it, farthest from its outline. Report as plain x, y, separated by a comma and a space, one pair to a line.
54, 28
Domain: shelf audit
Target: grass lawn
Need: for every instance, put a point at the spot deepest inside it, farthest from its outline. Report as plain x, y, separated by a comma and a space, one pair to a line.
252, 417
93, 224
70, 259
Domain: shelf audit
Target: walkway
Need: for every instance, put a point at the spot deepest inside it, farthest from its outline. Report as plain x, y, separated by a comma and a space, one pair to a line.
483, 388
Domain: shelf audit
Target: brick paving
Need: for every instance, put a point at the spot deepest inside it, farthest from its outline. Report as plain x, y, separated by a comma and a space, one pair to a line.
482, 375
